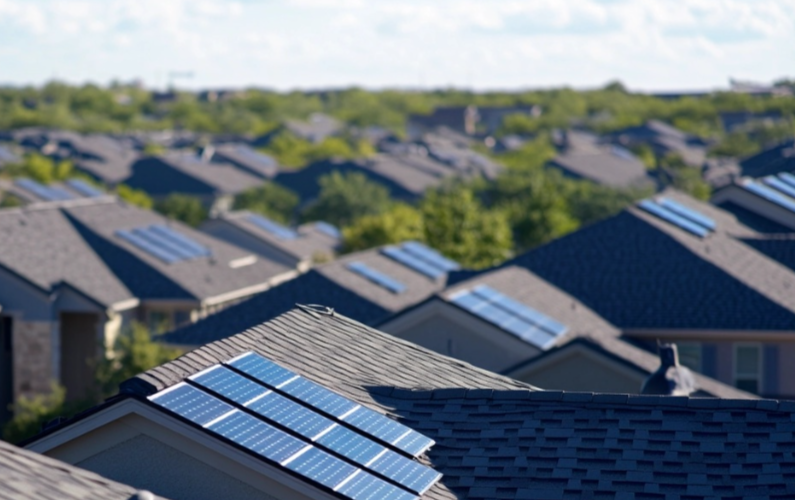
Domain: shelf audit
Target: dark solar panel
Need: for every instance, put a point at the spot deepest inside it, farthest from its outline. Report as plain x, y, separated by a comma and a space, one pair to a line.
375, 424
85, 188
412, 262
192, 404
688, 213
155, 239
163, 254
59, 193
164, 243
430, 255
291, 415
275, 229
376, 277
408, 473
673, 218
229, 384
44, 192
368, 487
352, 445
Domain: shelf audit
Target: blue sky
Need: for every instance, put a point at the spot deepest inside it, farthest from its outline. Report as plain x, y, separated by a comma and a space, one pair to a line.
480, 44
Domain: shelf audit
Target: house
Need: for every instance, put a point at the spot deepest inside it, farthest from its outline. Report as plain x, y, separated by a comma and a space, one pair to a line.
246, 158
771, 198
315, 405
30, 191
315, 129
772, 161
75, 273
733, 121
663, 139
26, 475
297, 248
455, 150
675, 269
583, 156
465, 119
215, 184
369, 286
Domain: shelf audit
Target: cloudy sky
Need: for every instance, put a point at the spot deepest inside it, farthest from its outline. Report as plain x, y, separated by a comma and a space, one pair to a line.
481, 44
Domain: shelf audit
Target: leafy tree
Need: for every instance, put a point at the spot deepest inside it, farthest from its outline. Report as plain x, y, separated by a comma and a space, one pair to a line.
330, 147
270, 199
30, 413
289, 150
10, 201
675, 172
346, 197
402, 222
589, 202
154, 149
134, 196
184, 208
459, 226
41, 168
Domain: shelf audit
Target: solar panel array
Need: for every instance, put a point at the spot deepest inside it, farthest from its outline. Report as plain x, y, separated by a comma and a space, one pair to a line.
255, 156
420, 258
303, 427
776, 193
679, 215
47, 193
85, 188
164, 243
281, 232
328, 229
376, 277
510, 315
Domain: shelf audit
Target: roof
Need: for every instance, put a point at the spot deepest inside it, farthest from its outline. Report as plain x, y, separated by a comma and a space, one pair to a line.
330, 284
780, 158
28, 475
316, 128
634, 357
497, 438
219, 178
620, 266
245, 157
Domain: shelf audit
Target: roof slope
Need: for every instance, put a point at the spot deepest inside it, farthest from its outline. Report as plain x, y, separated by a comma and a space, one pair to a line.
584, 157
621, 266
185, 173
28, 475
780, 158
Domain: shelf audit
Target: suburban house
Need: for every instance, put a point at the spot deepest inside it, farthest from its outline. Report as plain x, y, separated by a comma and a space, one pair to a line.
663, 139
29, 191
245, 158
771, 198
468, 120
215, 184
369, 286
300, 248
26, 475
772, 161
675, 269
75, 273
315, 129
739, 121
314, 405
583, 156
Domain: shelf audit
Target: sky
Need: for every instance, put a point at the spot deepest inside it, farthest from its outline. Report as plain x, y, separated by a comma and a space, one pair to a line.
474, 44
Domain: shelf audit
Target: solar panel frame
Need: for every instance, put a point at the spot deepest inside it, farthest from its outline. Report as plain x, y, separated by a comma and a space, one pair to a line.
415, 264
84, 188
182, 399
412, 475
770, 194
276, 229
674, 218
430, 255
688, 213
164, 255
377, 277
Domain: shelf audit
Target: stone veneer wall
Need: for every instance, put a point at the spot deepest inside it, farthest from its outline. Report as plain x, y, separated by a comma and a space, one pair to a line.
32, 345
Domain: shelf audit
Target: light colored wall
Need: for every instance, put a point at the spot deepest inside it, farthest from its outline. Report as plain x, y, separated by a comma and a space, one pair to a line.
760, 206
236, 236
33, 354
19, 297
145, 463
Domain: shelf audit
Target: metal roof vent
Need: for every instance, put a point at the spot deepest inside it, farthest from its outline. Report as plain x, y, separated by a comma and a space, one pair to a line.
670, 379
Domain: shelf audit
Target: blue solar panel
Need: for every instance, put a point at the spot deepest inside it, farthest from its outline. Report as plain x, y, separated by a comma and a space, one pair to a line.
257, 436
155, 239
44, 192
780, 185
262, 369
430, 255
376, 277
291, 415
229, 384
322, 467
319, 397
161, 253
275, 229
192, 404
59, 193
688, 213
770, 195
352, 445
412, 262
85, 188
255, 156
328, 229
375, 424
673, 218
408, 473
188, 244
621, 153
365, 486
788, 178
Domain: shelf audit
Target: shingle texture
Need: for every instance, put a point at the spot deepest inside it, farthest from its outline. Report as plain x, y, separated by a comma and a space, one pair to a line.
496, 438
780, 158
28, 475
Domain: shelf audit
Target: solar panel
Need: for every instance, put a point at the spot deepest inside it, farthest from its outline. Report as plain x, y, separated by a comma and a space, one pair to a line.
192, 404
262, 369
196, 249
621, 153
59, 193
155, 239
291, 415
255, 156
328, 229
229, 384
430, 255
376, 277
770, 195
687, 213
165, 255
412, 262
322, 467
408, 473
673, 218
275, 229
85, 188
319, 397
780, 185
368, 487
255, 435
788, 178
44, 192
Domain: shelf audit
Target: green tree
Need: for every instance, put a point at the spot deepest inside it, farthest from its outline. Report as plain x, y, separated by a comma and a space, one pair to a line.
288, 150
270, 199
134, 196
31, 412
10, 201
346, 197
184, 208
330, 147
459, 226
401, 223
675, 172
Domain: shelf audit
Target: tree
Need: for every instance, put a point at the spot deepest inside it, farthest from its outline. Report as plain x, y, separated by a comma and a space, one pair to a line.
290, 151
346, 197
134, 196
41, 168
401, 223
675, 172
184, 208
459, 226
270, 199
31, 412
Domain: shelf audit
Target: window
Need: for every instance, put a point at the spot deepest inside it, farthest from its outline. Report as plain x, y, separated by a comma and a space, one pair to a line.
690, 355
748, 367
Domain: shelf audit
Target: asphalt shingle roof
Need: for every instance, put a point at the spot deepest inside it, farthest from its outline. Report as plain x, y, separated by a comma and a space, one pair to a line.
497, 438
189, 174
28, 475
780, 158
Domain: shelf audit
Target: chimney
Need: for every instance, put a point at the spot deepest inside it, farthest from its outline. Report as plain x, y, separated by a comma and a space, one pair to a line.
670, 379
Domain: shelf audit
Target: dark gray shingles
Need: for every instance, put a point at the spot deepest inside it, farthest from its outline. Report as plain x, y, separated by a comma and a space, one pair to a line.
28, 475
222, 177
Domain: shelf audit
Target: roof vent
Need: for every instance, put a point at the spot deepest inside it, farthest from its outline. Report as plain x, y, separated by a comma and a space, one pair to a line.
670, 379
143, 495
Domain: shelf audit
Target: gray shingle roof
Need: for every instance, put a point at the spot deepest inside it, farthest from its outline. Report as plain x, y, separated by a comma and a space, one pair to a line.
28, 475
245, 157
496, 438
189, 174
780, 158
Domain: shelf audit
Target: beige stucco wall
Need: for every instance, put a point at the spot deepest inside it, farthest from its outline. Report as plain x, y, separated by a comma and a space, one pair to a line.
33, 356
583, 372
